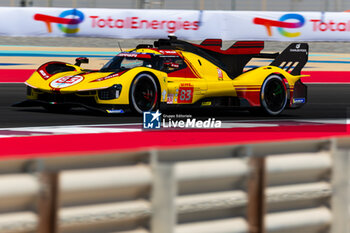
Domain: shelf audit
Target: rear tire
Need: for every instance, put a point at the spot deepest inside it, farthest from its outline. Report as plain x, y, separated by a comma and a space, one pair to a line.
273, 96
144, 94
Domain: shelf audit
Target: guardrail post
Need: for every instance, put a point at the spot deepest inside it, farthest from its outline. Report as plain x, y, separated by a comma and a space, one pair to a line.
48, 203
164, 191
256, 195
341, 191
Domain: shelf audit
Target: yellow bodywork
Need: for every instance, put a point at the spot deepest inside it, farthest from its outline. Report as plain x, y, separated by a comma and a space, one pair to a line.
210, 81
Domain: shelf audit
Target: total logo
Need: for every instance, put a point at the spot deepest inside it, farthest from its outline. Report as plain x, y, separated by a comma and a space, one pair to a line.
68, 21
281, 24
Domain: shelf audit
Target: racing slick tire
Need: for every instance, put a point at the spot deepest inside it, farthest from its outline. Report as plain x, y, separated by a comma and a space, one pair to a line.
273, 96
144, 93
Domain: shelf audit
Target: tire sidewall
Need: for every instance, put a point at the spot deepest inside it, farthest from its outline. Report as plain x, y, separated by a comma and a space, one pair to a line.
262, 94
132, 101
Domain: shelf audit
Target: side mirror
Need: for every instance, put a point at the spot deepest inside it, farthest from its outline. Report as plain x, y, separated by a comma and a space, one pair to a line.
80, 60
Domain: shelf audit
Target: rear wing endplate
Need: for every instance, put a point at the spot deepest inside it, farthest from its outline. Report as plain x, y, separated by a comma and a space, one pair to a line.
293, 58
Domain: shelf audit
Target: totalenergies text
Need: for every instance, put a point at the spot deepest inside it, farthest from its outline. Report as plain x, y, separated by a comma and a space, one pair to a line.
137, 23
330, 25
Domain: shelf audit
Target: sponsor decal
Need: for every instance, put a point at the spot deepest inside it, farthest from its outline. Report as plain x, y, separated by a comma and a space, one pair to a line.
115, 111
157, 120
191, 123
163, 95
171, 64
170, 26
68, 21
167, 52
185, 84
43, 74
108, 77
281, 24
298, 49
135, 55
220, 75
66, 81
206, 103
170, 99
151, 120
298, 100
185, 94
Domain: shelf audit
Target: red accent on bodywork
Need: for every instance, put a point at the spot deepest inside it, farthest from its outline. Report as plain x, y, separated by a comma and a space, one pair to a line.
253, 97
212, 42
183, 73
42, 69
188, 72
240, 47
192, 72
291, 94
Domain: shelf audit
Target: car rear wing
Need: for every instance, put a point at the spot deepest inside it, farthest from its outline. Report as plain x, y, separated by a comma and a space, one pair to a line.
234, 59
293, 58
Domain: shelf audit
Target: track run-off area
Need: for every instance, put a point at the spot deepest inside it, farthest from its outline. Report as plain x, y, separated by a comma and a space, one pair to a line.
29, 131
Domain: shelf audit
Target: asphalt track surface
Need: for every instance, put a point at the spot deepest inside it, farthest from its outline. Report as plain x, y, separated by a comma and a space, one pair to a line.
325, 101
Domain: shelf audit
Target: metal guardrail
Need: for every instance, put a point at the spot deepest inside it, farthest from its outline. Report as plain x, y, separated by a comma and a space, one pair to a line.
290, 186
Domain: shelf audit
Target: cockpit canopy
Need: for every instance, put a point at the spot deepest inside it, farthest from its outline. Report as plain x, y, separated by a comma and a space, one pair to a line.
126, 61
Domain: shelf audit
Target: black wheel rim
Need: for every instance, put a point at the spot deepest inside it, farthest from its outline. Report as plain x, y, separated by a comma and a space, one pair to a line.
274, 95
145, 94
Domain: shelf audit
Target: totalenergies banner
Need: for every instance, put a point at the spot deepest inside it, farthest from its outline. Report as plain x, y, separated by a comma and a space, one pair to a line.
192, 25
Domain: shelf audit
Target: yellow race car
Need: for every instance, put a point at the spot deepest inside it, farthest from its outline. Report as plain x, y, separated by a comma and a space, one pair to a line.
175, 73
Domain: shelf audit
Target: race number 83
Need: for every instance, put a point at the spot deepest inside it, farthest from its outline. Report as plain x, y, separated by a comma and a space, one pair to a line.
185, 95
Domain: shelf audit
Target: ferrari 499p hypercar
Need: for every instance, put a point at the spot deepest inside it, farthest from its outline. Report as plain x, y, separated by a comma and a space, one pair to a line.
175, 73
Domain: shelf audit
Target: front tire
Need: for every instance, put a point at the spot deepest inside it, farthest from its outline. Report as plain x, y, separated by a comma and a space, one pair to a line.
144, 93
273, 95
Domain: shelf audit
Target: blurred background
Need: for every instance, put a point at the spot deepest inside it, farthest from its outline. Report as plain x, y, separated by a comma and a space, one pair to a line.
296, 181
242, 5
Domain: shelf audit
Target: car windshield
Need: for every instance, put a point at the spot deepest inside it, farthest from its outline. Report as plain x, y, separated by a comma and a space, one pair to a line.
119, 63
